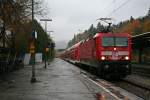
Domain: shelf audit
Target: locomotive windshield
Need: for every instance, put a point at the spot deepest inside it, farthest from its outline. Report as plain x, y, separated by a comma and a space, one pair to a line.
114, 41
121, 41
108, 41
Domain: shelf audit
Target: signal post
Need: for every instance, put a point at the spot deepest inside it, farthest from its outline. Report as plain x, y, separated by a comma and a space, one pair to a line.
32, 52
46, 51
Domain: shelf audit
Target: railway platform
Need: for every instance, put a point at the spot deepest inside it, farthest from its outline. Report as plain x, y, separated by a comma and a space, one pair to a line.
59, 81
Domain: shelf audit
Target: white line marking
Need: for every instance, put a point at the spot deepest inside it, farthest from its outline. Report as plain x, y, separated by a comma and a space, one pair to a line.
106, 90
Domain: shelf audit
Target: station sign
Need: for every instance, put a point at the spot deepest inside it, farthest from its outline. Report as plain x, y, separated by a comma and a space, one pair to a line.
51, 45
32, 51
32, 47
34, 35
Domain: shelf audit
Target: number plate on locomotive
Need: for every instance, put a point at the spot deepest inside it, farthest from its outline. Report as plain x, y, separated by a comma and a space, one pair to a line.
114, 55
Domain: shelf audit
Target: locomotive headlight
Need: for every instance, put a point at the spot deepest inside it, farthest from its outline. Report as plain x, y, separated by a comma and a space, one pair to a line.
103, 58
126, 58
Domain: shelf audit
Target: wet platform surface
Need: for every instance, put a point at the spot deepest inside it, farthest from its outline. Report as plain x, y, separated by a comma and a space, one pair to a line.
57, 82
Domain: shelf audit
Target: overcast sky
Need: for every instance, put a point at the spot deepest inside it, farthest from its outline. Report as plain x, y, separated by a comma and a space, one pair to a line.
72, 16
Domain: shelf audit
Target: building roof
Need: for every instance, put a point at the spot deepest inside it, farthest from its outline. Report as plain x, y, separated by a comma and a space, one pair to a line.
141, 40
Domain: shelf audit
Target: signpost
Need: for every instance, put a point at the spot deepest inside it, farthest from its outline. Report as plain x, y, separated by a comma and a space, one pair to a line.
32, 46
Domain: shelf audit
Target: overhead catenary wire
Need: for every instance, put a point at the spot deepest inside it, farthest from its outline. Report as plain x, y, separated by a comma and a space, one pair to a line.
115, 10
109, 5
113, 2
123, 4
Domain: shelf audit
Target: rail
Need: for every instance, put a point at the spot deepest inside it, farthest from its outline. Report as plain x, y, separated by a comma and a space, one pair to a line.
141, 70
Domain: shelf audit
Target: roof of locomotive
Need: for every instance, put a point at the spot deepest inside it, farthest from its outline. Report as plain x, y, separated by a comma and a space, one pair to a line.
77, 44
112, 34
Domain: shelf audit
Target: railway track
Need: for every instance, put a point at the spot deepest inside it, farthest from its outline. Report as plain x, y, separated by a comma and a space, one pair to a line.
138, 88
141, 71
135, 88
142, 86
112, 87
106, 84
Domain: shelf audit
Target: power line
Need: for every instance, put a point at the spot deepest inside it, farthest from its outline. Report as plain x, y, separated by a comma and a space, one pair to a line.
109, 5
114, 1
123, 4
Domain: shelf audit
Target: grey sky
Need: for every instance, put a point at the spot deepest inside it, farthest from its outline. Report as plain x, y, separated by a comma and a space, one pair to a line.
71, 15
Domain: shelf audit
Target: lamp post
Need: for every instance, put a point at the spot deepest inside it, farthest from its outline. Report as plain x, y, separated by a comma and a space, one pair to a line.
45, 20
50, 45
50, 33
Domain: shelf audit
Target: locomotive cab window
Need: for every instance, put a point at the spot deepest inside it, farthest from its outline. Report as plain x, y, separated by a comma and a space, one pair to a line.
121, 41
107, 41
114, 41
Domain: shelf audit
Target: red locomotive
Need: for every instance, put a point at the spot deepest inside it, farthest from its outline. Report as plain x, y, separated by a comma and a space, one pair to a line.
109, 53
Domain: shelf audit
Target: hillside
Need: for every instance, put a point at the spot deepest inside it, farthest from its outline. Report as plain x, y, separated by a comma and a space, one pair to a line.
131, 26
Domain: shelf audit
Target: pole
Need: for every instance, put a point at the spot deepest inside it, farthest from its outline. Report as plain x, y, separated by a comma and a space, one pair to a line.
50, 45
45, 60
45, 20
51, 49
45, 50
33, 79
46, 26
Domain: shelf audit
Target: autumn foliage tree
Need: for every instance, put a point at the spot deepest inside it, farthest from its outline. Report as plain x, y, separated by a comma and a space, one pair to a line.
16, 16
131, 26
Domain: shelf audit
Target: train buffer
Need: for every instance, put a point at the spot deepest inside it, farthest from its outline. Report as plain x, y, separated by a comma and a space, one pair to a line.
60, 81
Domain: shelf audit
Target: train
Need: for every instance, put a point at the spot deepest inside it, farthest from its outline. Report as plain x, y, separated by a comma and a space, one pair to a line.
108, 53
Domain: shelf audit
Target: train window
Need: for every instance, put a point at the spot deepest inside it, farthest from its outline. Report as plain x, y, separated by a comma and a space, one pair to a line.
107, 41
114, 41
121, 41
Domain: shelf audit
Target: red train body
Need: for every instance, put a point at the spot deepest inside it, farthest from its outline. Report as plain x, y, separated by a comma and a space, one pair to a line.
109, 53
